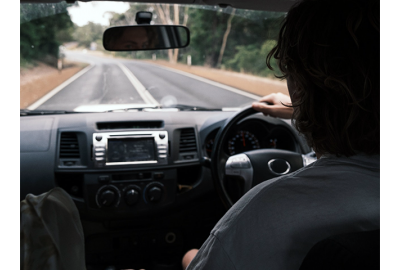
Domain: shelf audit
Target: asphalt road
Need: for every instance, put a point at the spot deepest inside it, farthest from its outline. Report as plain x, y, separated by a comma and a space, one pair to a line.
117, 81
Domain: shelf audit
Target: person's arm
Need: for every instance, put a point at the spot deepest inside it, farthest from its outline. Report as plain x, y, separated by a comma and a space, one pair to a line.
272, 105
211, 255
188, 258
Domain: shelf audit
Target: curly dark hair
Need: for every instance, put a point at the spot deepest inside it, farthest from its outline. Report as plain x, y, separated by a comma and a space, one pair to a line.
329, 50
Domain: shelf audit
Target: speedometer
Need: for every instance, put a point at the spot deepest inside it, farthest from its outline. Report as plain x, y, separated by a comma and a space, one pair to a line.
241, 142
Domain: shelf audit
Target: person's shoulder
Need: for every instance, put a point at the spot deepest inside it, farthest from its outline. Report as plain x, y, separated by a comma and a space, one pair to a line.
246, 205
323, 180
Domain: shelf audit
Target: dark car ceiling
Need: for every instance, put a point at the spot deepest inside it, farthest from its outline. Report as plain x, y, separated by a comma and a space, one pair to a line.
270, 5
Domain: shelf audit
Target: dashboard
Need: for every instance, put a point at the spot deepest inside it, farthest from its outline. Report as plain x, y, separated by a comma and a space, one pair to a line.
124, 164
139, 175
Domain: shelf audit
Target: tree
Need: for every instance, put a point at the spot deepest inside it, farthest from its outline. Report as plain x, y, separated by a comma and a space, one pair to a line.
41, 37
227, 31
91, 32
252, 59
164, 13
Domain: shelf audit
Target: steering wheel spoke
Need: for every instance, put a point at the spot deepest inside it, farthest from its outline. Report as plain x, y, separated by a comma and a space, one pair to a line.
240, 166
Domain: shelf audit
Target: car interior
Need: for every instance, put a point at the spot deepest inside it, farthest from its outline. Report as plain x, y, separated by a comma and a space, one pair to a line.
150, 184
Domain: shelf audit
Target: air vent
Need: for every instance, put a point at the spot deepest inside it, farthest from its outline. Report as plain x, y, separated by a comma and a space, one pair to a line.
69, 146
187, 142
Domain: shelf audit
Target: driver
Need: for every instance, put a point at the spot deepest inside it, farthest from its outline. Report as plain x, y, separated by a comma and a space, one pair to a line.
328, 51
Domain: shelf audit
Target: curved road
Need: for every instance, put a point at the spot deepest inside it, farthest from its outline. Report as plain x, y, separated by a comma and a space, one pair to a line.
120, 81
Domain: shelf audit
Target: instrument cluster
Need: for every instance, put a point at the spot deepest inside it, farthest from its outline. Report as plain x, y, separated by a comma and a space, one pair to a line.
251, 135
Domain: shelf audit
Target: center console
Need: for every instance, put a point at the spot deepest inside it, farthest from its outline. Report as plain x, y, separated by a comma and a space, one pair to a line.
121, 194
121, 174
114, 192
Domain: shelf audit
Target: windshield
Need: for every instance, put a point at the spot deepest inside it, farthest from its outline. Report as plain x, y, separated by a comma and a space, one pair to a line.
64, 66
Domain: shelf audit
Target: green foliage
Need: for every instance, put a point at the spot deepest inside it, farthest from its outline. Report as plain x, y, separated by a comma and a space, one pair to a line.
41, 38
250, 39
252, 59
92, 32
29, 12
207, 28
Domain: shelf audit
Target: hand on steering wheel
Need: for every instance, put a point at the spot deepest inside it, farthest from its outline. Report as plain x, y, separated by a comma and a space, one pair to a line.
273, 105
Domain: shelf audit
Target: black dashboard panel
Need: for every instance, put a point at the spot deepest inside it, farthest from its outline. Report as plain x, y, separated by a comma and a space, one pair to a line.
58, 150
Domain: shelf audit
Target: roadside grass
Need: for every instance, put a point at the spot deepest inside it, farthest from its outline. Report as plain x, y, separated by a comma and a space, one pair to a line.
38, 78
26, 64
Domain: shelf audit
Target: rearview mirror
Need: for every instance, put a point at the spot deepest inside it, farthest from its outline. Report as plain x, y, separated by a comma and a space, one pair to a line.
145, 37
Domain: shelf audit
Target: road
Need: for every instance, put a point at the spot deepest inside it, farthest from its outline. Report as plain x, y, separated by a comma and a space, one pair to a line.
120, 81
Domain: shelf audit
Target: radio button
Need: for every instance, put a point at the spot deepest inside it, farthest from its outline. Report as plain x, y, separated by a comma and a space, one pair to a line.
100, 146
99, 138
162, 136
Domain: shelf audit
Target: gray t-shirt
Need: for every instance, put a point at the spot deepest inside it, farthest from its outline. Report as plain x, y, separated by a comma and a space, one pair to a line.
277, 222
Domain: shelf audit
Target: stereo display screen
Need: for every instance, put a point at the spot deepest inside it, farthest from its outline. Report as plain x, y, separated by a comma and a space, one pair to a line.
130, 150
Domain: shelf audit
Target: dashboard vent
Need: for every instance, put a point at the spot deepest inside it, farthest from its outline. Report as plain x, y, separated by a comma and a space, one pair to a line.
69, 145
187, 142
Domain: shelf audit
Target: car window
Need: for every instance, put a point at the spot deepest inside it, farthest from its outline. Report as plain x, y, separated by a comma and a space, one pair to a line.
64, 66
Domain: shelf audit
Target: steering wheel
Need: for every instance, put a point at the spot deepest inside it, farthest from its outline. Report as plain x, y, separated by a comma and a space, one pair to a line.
252, 167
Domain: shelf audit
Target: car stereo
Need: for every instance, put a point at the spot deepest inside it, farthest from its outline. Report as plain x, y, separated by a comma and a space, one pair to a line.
130, 148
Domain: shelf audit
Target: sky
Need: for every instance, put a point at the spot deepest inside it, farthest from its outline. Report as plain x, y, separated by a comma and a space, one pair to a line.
95, 12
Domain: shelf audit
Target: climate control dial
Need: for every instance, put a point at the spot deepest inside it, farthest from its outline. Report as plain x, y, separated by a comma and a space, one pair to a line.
108, 196
131, 195
154, 192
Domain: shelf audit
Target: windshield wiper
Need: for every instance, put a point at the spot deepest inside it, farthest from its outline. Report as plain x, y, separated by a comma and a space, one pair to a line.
180, 107
25, 112
184, 107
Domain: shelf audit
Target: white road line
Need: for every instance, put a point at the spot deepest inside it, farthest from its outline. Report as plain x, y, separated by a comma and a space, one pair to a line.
146, 96
59, 88
220, 85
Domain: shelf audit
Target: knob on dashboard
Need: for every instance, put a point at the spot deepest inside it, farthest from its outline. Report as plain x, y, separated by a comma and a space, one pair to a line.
108, 196
131, 196
154, 194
